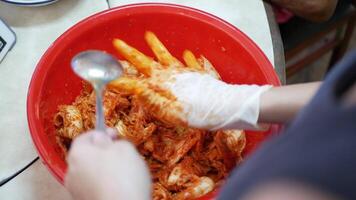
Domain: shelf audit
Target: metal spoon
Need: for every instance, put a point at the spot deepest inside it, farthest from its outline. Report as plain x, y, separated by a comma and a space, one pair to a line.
98, 68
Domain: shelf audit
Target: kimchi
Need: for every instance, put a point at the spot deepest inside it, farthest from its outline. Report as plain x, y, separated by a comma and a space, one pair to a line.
185, 163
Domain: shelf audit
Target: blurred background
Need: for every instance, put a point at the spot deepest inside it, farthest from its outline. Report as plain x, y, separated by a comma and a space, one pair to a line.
316, 34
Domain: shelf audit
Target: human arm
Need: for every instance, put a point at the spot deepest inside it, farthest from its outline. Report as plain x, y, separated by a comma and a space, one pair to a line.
227, 106
314, 10
194, 94
281, 104
208, 103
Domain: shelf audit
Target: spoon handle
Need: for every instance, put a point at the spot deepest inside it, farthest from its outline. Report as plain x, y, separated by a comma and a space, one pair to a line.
100, 119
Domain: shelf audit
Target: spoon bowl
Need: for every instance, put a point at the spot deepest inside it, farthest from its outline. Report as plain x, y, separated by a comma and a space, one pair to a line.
96, 66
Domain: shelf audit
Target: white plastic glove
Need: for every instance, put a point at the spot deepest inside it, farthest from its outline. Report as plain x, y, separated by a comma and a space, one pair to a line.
212, 104
99, 168
197, 99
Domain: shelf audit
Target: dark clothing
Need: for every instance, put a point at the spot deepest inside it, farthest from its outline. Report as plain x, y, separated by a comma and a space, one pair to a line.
317, 149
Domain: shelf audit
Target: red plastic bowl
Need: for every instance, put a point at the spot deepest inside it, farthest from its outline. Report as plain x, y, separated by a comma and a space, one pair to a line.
236, 57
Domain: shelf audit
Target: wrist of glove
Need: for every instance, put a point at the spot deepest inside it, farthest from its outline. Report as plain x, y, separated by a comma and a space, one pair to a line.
211, 104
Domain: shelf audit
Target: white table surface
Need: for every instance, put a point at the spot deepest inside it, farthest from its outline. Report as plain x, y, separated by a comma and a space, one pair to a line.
36, 28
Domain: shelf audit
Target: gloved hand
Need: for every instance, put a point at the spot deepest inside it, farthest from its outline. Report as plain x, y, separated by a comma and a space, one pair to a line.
209, 103
190, 94
100, 168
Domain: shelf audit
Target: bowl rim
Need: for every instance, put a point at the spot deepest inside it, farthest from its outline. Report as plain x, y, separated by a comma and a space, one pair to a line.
38, 77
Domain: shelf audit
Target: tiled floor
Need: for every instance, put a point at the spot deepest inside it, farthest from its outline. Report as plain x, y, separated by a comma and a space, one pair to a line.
316, 70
